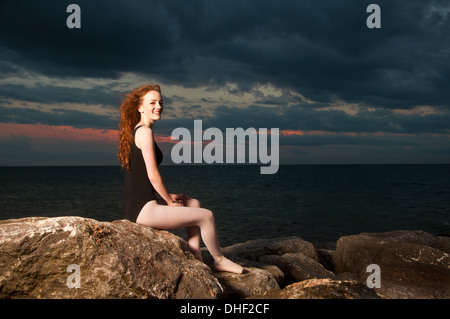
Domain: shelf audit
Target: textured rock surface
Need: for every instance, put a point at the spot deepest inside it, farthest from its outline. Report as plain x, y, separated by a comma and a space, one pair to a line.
297, 267
254, 249
253, 281
116, 260
125, 260
410, 267
263, 259
321, 289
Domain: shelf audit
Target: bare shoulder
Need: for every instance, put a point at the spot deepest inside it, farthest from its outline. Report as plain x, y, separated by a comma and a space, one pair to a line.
143, 137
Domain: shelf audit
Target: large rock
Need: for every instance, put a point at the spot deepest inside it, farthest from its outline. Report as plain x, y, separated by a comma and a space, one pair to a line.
297, 267
125, 260
253, 281
263, 260
116, 260
413, 264
254, 249
325, 288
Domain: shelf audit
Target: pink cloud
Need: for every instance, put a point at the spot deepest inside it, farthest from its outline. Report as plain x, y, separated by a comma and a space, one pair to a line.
48, 133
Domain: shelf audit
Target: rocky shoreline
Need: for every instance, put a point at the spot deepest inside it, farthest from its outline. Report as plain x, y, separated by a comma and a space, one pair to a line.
75, 257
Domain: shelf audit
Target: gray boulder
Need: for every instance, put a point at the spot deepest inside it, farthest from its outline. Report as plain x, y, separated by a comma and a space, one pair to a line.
297, 267
324, 288
412, 264
253, 281
74, 257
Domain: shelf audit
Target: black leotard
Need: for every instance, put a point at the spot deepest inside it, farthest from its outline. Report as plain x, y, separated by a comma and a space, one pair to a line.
138, 188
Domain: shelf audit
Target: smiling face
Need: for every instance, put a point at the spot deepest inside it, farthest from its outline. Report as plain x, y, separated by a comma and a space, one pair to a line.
151, 107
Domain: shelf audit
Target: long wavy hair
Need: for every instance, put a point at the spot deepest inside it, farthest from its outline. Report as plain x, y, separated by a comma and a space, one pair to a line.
129, 117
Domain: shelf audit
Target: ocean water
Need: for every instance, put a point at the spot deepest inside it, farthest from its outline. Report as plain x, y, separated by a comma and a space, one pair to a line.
319, 203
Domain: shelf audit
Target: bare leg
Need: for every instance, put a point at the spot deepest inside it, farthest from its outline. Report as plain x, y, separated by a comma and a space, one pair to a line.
194, 234
174, 217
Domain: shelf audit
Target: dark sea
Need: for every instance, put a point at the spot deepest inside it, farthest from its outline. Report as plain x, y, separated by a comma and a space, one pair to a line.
319, 203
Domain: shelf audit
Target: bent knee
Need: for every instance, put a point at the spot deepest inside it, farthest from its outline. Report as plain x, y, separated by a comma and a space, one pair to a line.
208, 215
193, 203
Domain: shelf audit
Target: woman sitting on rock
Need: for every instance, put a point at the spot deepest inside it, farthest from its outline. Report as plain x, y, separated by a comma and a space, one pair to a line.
141, 156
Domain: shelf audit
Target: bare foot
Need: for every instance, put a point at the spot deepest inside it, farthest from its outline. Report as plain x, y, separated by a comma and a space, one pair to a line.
221, 263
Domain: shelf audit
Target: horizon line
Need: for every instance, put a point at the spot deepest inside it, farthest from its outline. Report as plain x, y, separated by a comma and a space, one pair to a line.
227, 164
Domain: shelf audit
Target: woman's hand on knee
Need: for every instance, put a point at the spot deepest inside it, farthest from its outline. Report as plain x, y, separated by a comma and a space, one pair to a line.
181, 198
175, 203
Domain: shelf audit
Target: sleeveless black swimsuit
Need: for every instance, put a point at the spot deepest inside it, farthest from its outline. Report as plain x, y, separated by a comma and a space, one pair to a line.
138, 188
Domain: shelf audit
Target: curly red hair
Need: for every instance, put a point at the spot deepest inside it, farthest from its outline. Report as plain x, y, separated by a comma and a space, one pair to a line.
129, 117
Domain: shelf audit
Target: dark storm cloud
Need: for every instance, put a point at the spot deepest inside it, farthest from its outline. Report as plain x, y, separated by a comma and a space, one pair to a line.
57, 116
22, 150
321, 49
310, 119
379, 129
54, 94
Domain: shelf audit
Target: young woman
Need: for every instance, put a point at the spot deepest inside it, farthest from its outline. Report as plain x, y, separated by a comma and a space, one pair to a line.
141, 156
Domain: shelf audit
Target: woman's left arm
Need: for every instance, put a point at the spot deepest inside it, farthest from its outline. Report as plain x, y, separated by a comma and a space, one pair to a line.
144, 140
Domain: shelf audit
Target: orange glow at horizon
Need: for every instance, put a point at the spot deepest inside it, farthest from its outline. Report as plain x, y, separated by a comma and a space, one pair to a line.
49, 132
46, 133
292, 132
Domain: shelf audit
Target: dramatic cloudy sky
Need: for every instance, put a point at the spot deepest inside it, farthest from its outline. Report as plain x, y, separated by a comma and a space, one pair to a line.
338, 91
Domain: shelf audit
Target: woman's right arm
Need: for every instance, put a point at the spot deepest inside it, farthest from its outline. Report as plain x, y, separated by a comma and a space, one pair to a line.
144, 140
